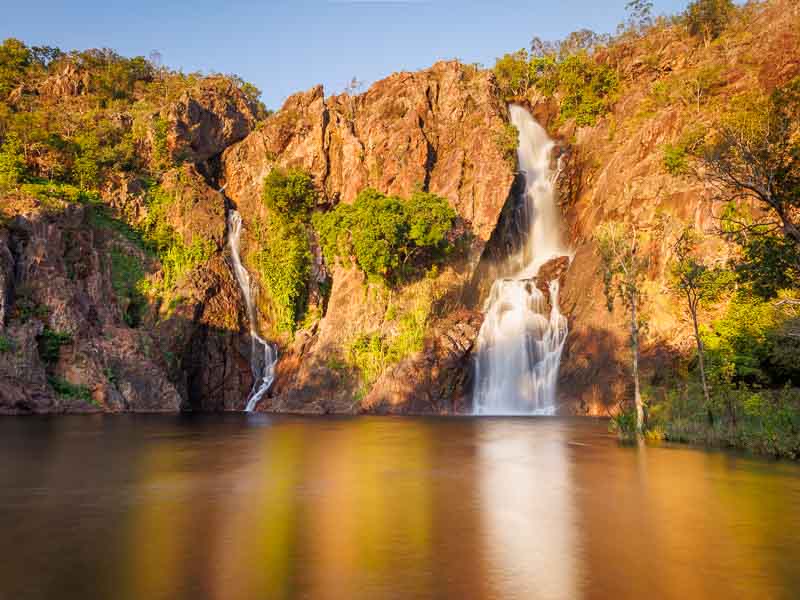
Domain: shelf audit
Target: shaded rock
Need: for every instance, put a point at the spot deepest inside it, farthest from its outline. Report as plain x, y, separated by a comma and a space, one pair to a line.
436, 380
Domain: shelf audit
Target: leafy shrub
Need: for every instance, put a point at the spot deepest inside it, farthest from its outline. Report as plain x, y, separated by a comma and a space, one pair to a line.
749, 344
284, 258
757, 420
50, 342
127, 280
623, 423
289, 193
386, 235
12, 162
508, 142
69, 391
284, 264
6, 345
585, 87
675, 160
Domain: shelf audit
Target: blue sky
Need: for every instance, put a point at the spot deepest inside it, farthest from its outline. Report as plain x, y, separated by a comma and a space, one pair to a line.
283, 46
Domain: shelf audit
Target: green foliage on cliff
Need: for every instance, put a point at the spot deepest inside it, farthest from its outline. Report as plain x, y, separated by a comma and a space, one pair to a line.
585, 88
389, 238
290, 194
69, 391
372, 353
284, 264
128, 282
177, 256
12, 162
283, 260
50, 342
80, 116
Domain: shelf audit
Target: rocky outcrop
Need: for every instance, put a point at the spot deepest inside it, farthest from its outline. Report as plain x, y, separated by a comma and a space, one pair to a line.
436, 380
206, 119
438, 129
615, 171
62, 290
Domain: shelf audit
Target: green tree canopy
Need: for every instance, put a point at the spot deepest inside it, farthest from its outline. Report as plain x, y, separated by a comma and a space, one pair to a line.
290, 194
384, 233
708, 18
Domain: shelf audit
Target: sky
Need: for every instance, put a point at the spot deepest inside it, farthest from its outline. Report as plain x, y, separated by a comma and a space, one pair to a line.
285, 46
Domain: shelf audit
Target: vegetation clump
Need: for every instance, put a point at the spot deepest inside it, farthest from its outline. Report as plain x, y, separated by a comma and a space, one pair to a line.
70, 391
389, 238
584, 87
284, 258
708, 18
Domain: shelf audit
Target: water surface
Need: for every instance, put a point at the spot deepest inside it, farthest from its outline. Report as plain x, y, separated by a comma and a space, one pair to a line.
249, 507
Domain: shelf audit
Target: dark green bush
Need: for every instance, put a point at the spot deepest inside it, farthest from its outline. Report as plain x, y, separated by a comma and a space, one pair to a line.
69, 391
50, 342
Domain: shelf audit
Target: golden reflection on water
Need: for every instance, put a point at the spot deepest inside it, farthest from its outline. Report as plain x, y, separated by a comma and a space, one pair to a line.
388, 508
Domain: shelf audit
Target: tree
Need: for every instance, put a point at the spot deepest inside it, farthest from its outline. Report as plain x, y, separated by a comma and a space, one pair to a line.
14, 60
640, 15
12, 161
387, 236
708, 18
513, 72
290, 194
699, 284
623, 271
753, 156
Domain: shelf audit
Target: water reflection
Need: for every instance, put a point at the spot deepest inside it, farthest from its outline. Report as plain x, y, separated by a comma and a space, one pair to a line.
228, 508
527, 506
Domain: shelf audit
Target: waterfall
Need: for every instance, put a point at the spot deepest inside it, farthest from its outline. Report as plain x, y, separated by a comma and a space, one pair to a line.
263, 368
520, 343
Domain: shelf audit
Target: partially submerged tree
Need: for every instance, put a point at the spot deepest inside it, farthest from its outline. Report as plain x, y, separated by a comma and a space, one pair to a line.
700, 284
623, 271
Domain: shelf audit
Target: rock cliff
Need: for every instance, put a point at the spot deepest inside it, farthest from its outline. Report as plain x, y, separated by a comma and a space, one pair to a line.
76, 337
440, 130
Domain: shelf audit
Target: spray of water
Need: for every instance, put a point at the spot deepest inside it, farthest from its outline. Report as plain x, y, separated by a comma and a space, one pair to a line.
263, 366
520, 343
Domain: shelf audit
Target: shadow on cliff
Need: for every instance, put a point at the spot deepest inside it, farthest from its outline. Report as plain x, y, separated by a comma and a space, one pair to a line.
595, 375
79, 334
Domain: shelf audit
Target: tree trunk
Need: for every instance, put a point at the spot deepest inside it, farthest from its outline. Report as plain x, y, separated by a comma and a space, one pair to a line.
700, 358
637, 394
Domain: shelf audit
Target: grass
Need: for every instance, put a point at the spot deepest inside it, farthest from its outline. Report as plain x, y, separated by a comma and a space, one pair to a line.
763, 422
69, 391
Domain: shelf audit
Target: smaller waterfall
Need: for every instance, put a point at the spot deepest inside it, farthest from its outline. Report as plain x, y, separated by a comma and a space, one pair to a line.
263, 368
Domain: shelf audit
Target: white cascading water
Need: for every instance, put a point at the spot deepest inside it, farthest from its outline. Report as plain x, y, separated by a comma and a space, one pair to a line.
520, 343
263, 373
